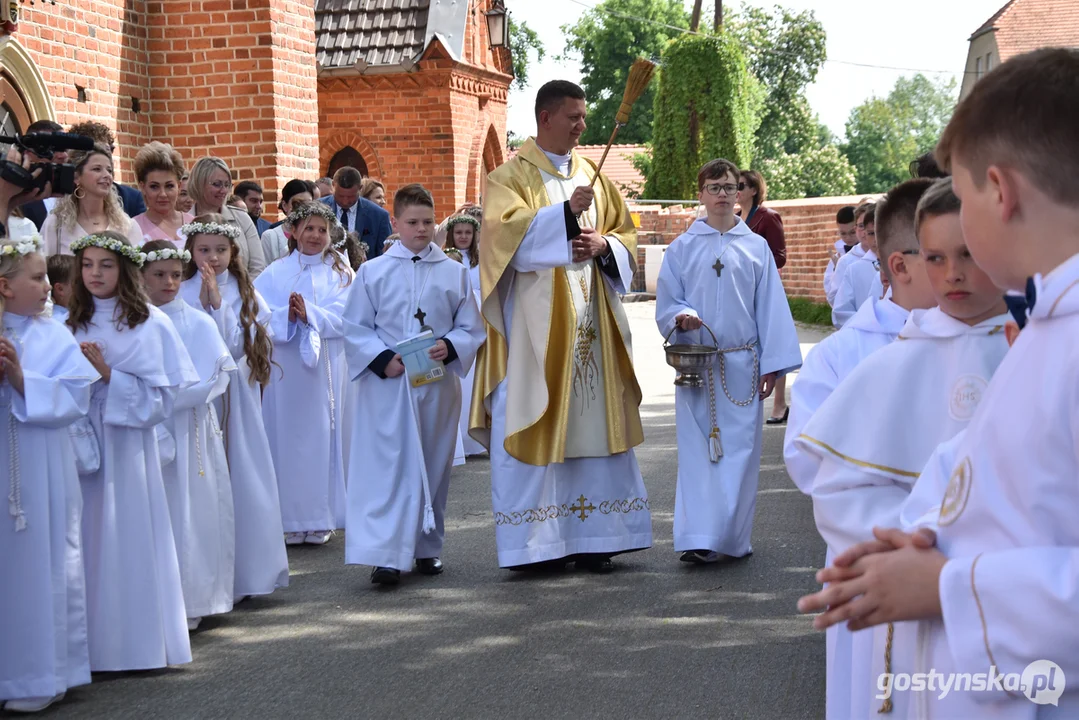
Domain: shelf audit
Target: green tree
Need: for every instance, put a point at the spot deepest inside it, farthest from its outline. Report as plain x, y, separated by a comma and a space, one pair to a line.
885, 134
607, 42
706, 106
523, 39
785, 50
814, 172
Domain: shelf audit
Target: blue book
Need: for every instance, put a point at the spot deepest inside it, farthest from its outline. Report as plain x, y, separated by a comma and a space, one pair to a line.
421, 369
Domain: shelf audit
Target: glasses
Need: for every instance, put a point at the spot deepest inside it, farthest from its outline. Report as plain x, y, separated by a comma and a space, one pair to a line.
911, 252
220, 185
716, 188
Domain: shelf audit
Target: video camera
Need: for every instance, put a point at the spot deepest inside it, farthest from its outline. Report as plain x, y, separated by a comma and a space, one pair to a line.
60, 175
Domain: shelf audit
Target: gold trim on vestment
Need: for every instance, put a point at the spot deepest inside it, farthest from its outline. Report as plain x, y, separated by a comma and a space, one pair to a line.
581, 508
1061, 297
985, 626
515, 193
855, 461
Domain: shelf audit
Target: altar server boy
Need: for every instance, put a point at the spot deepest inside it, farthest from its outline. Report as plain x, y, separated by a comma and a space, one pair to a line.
722, 275
858, 278
1002, 586
876, 324
44, 386
397, 496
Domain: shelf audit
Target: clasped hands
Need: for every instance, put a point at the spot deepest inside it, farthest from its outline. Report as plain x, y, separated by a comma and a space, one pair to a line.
687, 322
893, 578
589, 244
297, 310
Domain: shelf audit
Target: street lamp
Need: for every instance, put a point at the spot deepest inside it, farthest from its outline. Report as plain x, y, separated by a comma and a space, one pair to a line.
498, 27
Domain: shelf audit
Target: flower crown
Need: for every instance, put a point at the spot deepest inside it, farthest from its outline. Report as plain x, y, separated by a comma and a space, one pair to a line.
23, 246
203, 228
310, 209
168, 254
340, 245
112, 245
458, 219
454, 253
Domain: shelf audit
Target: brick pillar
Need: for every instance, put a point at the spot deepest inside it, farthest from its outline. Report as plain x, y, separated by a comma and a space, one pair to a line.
237, 80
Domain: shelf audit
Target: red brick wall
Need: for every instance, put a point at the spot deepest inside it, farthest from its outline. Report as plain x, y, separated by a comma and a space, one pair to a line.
100, 46
442, 125
235, 78
809, 227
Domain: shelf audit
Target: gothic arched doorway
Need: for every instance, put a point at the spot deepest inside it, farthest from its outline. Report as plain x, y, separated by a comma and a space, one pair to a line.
347, 156
14, 113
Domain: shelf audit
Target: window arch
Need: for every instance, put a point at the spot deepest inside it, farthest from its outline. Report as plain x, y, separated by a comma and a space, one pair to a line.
347, 156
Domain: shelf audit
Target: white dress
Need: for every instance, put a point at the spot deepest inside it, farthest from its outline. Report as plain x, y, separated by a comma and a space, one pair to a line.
300, 407
746, 307
43, 651
134, 596
470, 446
408, 433
197, 480
261, 559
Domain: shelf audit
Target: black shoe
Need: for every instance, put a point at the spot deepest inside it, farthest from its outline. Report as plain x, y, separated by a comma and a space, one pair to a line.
700, 557
385, 576
600, 564
779, 420
544, 566
429, 566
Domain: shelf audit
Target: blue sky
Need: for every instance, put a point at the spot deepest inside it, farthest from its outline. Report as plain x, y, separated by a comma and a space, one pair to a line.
917, 34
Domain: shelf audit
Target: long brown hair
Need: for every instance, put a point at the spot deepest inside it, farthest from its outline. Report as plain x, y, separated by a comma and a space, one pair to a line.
474, 248
257, 344
339, 265
132, 305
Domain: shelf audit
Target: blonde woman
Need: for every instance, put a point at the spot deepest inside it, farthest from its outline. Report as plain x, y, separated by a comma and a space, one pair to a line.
210, 185
374, 191
93, 208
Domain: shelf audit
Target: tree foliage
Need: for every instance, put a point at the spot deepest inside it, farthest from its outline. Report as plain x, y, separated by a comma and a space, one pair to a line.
814, 172
706, 106
523, 39
785, 50
885, 134
607, 43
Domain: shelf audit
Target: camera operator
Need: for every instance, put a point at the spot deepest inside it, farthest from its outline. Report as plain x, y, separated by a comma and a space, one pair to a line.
38, 210
12, 197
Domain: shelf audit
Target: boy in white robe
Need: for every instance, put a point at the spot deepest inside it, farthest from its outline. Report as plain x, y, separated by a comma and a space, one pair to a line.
860, 277
943, 361
855, 253
848, 239
44, 386
876, 324
197, 478
134, 597
397, 497
999, 592
722, 275
60, 268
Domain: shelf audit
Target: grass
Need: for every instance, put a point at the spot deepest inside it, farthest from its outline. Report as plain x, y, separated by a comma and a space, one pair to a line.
809, 312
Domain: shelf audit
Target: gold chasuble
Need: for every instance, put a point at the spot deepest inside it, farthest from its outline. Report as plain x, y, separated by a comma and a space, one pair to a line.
568, 337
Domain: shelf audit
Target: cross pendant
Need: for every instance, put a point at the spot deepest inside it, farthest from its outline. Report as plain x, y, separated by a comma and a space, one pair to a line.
420, 315
718, 267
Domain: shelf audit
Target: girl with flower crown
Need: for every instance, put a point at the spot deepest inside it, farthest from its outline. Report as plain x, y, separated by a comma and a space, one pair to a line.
463, 235
44, 387
133, 594
197, 477
306, 292
217, 283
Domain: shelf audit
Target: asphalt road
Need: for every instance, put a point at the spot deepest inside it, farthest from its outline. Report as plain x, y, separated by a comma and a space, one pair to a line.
656, 639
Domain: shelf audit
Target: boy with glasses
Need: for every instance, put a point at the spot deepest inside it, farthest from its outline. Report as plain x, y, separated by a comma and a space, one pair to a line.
722, 275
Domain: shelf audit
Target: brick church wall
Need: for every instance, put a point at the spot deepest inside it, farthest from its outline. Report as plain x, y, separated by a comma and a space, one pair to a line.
808, 225
101, 47
233, 78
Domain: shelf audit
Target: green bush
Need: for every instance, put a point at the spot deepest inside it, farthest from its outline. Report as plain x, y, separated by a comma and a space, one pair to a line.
809, 312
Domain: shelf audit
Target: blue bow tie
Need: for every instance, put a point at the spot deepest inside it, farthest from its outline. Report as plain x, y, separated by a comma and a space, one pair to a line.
1032, 294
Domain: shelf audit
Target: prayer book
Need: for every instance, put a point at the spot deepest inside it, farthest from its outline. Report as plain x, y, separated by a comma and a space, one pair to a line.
421, 369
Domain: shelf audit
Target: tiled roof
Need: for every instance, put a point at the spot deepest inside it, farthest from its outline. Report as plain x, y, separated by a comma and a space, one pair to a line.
1025, 25
385, 33
379, 32
618, 166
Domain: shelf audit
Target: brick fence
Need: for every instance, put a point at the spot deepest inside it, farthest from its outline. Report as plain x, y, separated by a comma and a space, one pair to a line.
809, 226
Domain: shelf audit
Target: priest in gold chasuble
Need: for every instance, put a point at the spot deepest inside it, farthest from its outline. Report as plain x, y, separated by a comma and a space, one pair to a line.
555, 398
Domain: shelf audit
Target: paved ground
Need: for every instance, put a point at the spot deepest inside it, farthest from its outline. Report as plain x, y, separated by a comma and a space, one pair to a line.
657, 639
